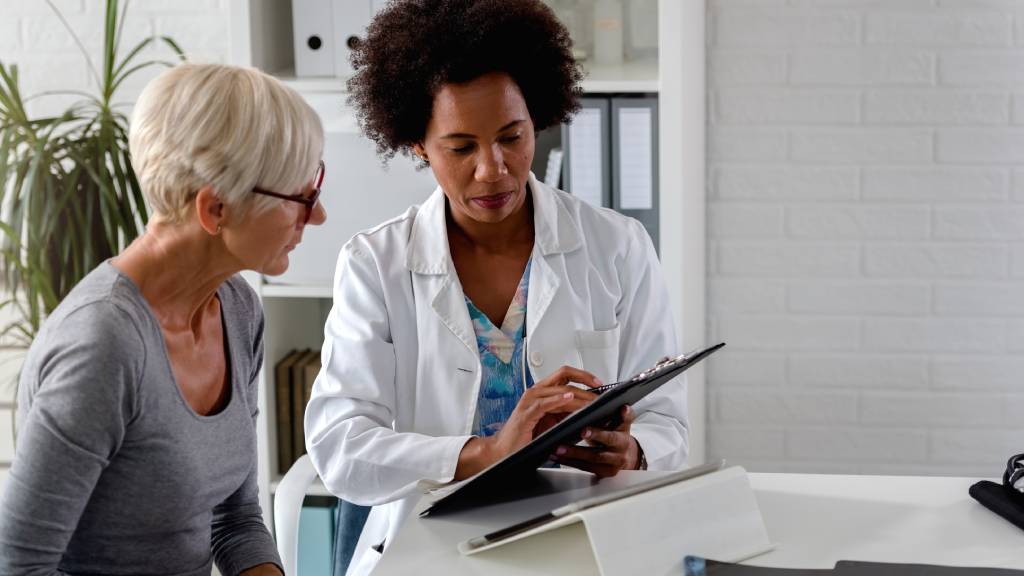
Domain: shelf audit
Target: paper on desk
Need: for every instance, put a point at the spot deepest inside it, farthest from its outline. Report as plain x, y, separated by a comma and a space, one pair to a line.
636, 180
585, 157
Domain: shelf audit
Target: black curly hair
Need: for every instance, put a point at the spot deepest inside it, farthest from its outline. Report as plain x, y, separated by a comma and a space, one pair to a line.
414, 47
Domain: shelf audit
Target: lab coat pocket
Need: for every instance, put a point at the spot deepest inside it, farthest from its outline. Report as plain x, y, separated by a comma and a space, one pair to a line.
599, 351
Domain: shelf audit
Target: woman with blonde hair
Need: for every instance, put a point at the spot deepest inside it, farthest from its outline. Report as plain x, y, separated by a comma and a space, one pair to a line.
137, 441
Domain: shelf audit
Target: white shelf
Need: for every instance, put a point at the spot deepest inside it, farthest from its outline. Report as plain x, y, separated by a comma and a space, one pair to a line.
295, 291
317, 488
630, 76
311, 85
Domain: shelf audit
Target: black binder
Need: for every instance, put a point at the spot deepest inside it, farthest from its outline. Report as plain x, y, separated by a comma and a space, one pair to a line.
511, 474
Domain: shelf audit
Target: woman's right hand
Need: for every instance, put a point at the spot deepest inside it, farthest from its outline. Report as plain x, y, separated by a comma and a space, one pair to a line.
541, 407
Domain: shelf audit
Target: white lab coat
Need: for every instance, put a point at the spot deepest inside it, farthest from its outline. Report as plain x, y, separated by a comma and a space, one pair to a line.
395, 400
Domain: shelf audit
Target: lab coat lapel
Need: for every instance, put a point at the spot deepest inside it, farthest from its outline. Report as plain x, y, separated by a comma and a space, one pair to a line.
555, 233
428, 255
450, 305
544, 285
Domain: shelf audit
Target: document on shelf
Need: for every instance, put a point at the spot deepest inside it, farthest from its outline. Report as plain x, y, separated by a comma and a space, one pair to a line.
553, 173
636, 165
586, 159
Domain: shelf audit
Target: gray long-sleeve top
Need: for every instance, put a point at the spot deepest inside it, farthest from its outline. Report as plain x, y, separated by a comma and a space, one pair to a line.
114, 472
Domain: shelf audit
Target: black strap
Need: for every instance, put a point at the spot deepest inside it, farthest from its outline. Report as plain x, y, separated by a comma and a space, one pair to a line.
1014, 472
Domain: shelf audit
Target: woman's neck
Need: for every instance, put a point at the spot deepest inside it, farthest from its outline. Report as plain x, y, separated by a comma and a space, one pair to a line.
178, 269
510, 234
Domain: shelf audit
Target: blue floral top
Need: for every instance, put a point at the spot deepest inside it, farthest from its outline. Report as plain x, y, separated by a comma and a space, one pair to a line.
504, 377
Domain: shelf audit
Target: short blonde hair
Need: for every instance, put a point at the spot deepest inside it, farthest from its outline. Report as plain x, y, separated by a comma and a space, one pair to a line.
228, 127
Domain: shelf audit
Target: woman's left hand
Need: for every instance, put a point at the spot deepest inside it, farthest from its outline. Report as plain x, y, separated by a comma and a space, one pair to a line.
607, 451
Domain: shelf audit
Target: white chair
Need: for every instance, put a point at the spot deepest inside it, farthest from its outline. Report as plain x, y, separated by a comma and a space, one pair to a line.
288, 507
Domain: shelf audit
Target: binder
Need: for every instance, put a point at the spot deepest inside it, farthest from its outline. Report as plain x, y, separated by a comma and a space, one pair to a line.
283, 402
310, 372
313, 37
610, 156
586, 142
350, 18
298, 387
712, 515
635, 160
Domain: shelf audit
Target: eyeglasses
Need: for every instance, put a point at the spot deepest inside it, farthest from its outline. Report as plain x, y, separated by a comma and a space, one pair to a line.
308, 201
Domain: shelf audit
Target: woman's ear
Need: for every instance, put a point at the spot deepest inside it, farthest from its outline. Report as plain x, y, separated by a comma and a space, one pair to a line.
420, 151
210, 210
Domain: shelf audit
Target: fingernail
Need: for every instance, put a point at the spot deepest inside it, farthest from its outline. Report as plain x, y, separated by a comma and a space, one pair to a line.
587, 433
567, 395
560, 451
598, 381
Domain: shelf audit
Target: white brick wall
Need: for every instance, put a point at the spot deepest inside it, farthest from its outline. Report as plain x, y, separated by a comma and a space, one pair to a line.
866, 234
32, 37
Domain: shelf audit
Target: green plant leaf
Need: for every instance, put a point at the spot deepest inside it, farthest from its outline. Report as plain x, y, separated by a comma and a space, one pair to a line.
131, 56
136, 68
174, 46
78, 41
69, 197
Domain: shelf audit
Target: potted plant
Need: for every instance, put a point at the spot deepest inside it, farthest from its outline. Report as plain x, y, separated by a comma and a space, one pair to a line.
68, 196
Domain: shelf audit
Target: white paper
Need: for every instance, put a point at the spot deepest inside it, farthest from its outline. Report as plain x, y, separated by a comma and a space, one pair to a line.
585, 158
636, 181
553, 173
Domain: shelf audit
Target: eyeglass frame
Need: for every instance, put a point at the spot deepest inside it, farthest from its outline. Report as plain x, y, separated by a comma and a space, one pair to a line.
308, 202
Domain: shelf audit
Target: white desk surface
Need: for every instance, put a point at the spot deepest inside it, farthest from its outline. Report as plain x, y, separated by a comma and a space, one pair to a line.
814, 519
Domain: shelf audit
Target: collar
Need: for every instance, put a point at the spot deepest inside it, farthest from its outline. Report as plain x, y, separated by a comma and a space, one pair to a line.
555, 231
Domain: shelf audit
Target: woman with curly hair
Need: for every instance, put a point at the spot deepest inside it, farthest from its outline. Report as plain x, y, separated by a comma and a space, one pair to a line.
466, 326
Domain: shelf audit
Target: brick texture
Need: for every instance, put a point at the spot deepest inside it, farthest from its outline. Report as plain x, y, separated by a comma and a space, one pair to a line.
881, 330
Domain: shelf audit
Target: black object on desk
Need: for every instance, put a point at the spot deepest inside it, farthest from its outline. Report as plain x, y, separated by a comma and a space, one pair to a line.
1005, 499
853, 568
697, 566
510, 473
1002, 500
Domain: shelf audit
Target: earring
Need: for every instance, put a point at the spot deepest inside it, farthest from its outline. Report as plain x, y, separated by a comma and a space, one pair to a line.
218, 228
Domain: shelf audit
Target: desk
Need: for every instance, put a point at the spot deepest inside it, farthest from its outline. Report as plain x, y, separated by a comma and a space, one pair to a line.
814, 519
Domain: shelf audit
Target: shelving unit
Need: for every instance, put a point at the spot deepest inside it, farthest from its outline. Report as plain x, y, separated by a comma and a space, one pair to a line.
630, 77
261, 36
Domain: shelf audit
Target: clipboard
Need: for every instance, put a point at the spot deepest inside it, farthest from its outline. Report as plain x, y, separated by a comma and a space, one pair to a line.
511, 473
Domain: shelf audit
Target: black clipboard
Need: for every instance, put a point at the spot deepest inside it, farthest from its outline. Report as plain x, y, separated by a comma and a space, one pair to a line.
507, 475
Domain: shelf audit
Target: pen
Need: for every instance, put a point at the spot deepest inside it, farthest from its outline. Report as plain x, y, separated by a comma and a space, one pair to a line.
661, 364
603, 388
597, 389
